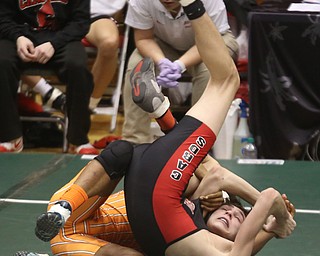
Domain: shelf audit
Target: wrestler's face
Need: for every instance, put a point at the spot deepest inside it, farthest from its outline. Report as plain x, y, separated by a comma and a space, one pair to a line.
171, 5
226, 221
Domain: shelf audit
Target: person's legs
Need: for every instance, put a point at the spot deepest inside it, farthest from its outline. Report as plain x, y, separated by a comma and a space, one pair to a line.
214, 103
99, 177
136, 126
99, 227
51, 97
148, 96
165, 165
232, 45
10, 130
71, 63
104, 35
200, 73
182, 149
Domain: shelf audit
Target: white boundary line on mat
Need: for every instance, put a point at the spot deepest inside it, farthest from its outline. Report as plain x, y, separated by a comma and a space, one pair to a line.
26, 201
23, 201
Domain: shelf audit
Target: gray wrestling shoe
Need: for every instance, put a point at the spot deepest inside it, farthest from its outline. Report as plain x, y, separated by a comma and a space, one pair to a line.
48, 225
146, 92
25, 253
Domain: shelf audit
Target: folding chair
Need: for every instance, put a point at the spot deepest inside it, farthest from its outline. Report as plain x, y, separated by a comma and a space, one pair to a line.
112, 110
62, 121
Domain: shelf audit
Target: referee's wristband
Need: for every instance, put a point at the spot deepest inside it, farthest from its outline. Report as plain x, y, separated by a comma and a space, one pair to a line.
194, 10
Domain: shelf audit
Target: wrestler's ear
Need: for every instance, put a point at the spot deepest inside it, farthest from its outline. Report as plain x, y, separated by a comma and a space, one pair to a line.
116, 158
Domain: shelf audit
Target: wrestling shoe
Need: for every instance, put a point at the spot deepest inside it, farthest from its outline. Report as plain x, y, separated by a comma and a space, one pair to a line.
146, 92
54, 98
25, 253
49, 223
84, 149
14, 146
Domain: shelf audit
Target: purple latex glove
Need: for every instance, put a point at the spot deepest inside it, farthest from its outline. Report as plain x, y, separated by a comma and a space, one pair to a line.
170, 72
166, 82
164, 66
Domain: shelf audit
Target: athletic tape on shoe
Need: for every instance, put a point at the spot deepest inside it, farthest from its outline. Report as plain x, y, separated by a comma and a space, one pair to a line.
65, 213
161, 110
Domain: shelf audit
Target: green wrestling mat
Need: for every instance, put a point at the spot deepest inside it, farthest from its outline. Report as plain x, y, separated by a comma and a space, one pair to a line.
33, 178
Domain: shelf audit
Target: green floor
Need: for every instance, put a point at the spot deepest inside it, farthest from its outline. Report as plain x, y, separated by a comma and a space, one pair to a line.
37, 176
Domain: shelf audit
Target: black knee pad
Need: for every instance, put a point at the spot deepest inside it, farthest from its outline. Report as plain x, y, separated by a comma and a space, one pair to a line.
116, 158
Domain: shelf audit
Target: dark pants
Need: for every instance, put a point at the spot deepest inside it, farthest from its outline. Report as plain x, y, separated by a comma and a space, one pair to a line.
70, 64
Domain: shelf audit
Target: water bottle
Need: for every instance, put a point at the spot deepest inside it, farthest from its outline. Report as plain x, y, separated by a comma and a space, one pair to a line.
242, 131
249, 150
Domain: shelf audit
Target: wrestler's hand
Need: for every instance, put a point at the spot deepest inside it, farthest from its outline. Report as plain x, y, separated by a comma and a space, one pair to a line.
212, 201
25, 49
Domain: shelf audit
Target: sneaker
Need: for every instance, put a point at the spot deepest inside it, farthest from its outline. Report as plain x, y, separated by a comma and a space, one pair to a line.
14, 146
85, 149
55, 99
105, 141
48, 225
146, 93
25, 253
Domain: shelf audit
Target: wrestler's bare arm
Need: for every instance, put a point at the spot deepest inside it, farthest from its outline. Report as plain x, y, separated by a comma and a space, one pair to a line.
220, 178
269, 203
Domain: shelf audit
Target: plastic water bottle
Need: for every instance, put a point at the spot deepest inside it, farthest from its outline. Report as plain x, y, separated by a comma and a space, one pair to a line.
242, 132
242, 41
249, 150
223, 146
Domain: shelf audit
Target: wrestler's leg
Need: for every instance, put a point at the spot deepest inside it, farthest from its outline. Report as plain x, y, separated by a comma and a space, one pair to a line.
114, 249
83, 233
214, 103
99, 177
82, 244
